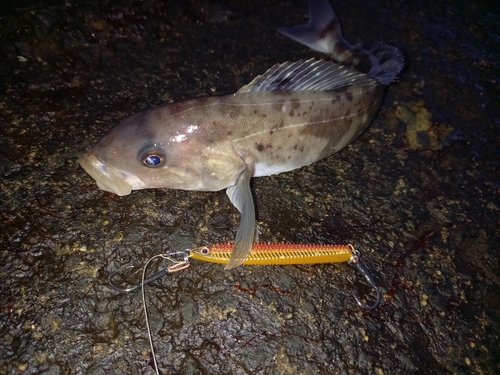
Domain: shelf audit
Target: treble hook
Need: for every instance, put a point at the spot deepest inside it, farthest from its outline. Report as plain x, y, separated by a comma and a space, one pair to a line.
368, 277
177, 266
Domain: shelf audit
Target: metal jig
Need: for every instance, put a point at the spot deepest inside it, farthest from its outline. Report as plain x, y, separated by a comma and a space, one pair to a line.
265, 254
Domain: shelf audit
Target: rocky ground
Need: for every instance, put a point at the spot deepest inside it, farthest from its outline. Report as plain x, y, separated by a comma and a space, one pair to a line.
417, 193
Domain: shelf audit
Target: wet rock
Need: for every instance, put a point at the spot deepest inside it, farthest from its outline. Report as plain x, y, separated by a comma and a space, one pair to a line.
417, 193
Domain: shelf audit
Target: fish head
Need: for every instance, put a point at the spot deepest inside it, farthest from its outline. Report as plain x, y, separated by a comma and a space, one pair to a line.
147, 151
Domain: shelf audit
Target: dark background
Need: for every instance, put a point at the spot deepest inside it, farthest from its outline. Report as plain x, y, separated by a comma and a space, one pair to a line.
417, 193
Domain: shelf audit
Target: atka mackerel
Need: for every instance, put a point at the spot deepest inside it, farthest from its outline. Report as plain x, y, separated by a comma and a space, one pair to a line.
293, 115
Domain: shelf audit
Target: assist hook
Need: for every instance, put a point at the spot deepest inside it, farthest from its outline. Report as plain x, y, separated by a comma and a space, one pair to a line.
368, 277
176, 266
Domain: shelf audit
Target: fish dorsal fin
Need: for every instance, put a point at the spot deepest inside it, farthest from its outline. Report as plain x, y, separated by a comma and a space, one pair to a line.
307, 75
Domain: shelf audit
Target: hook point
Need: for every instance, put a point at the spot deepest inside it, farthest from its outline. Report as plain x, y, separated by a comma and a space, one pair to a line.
368, 277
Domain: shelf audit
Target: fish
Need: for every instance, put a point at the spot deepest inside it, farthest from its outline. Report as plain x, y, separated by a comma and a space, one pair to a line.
291, 116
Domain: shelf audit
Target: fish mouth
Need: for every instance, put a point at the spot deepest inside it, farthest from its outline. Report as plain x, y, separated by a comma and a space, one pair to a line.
107, 178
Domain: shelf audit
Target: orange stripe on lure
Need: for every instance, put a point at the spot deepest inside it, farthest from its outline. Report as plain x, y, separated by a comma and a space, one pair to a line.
276, 253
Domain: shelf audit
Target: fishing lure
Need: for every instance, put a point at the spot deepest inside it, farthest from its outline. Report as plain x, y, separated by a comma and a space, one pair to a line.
263, 254
276, 253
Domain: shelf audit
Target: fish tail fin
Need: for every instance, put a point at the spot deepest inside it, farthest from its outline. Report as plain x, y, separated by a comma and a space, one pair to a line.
323, 33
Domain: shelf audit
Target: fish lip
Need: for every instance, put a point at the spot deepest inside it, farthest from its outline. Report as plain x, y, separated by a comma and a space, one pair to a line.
107, 178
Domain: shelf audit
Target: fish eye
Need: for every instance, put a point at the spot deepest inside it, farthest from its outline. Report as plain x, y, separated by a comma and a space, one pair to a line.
153, 158
205, 251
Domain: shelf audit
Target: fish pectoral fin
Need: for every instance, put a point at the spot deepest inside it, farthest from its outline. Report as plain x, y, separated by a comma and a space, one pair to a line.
241, 197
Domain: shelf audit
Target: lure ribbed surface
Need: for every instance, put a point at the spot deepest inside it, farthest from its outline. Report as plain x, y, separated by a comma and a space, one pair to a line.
276, 253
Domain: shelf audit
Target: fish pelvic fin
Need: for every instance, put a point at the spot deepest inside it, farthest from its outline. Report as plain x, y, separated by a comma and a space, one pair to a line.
323, 33
240, 196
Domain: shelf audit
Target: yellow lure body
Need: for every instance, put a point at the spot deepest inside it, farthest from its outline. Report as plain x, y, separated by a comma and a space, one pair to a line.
276, 253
